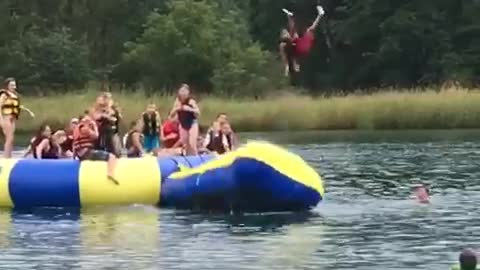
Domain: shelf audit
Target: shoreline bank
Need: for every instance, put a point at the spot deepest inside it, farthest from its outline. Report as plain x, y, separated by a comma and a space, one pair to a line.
451, 109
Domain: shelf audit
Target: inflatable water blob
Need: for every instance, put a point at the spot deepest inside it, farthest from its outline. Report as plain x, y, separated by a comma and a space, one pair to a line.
257, 177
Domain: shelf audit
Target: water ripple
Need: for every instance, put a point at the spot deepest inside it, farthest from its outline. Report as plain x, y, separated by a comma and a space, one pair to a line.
369, 220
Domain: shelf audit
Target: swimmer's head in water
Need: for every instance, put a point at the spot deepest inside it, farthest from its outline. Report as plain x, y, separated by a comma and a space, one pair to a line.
10, 84
184, 92
422, 194
468, 260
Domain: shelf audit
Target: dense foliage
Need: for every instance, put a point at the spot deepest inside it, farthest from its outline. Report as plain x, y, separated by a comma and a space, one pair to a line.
230, 47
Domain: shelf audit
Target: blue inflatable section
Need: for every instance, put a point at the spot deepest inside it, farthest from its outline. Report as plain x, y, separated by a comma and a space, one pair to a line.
55, 183
169, 165
246, 185
257, 177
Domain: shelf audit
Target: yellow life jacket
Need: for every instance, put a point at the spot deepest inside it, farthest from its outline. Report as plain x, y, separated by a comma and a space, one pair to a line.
11, 105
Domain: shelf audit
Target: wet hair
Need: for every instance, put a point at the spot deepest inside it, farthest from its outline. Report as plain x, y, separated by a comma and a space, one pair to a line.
468, 260
7, 81
418, 186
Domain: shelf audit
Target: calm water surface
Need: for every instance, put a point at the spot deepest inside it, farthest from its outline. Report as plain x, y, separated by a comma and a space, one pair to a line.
368, 220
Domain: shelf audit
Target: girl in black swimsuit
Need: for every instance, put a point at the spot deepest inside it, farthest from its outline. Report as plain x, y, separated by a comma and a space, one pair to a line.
188, 112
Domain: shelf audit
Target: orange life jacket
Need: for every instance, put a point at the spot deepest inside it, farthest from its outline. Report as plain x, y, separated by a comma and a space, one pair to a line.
83, 141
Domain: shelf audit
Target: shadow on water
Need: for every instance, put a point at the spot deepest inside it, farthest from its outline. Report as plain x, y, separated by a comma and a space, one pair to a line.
265, 221
248, 223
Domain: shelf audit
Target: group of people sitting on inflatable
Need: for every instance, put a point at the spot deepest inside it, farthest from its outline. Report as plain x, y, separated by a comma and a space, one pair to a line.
95, 134
177, 135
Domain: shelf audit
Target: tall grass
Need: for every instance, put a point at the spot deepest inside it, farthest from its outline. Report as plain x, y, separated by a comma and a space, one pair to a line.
395, 109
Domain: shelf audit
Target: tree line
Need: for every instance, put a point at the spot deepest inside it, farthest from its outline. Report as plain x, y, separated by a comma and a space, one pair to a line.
230, 47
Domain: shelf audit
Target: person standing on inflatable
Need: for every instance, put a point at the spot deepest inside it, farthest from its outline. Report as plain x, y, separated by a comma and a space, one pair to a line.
293, 46
188, 112
133, 141
10, 111
115, 143
151, 125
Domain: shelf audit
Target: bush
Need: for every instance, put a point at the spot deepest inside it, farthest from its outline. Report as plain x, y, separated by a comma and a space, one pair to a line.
201, 43
50, 61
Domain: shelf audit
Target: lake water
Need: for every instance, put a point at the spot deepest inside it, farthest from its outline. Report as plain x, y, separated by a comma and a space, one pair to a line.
369, 219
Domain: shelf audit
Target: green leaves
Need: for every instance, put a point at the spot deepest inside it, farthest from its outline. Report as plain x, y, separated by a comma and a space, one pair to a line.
203, 43
230, 47
49, 61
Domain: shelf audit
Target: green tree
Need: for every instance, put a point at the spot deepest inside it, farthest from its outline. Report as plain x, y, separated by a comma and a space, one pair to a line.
48, 60
202, 43
231, 47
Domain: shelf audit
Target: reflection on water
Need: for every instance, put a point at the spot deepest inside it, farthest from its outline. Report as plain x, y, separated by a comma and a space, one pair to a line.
368, 221
113, 236
5, 229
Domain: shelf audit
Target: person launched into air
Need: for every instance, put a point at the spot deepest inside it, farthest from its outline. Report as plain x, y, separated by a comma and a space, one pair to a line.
292, 45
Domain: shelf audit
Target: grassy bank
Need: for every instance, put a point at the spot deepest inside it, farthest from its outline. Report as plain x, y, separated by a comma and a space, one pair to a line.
388, 110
